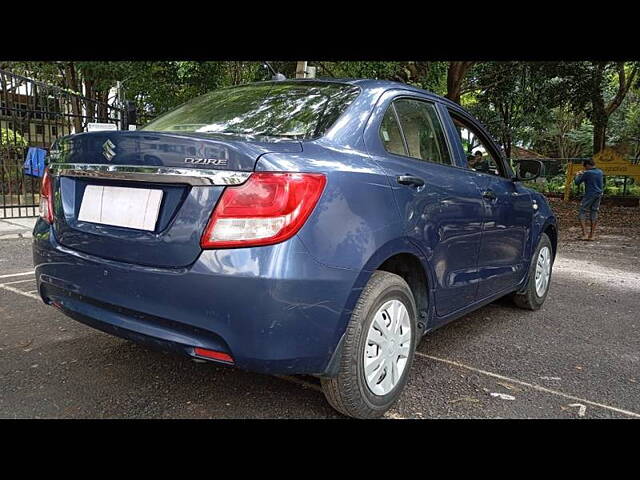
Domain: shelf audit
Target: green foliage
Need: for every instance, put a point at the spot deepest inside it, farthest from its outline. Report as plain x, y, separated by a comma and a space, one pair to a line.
160, 86
624, 126
634, 190
551, 185
512, 98
11, 138
562, 134
430, 76
550, 107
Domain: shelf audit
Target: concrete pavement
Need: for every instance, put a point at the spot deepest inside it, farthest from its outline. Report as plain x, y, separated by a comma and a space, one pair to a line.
577, 357
16, 227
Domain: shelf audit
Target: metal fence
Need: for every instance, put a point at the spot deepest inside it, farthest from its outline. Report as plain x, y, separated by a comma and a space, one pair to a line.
552, 166
34, 114
554, 177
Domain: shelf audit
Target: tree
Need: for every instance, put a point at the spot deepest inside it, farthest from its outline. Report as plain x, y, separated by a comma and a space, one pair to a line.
549, 104
597, 88
155, 86
601, 109
562, 134
512, 98
624, 126
456, 73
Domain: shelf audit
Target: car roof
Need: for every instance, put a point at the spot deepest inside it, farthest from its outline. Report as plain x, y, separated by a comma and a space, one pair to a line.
368, 84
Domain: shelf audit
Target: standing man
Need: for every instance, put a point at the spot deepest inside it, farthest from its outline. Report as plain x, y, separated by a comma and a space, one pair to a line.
593, 179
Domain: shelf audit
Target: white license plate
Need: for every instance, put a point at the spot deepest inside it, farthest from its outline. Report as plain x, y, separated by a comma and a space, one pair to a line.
121, 207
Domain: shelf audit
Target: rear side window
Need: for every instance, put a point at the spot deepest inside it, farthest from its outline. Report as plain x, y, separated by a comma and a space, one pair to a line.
422, 131
277, 109
390, 134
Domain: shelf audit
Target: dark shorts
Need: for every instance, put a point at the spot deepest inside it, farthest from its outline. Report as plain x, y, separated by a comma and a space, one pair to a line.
589, 207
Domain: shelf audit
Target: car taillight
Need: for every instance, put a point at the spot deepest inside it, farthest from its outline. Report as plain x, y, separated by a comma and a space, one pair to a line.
267, 209
46, 197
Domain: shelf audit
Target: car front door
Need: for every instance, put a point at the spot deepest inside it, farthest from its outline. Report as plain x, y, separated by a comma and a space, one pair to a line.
439, 203
507, 216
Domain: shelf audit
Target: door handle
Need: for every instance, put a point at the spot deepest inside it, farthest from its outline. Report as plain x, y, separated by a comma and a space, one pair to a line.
489, 195
410, 180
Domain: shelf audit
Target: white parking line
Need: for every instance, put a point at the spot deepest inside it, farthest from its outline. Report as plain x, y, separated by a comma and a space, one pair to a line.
529, 385
17, 274
19, 292
18, 281
7, 286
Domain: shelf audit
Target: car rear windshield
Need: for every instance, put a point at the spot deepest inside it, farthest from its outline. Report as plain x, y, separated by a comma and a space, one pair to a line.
279, 109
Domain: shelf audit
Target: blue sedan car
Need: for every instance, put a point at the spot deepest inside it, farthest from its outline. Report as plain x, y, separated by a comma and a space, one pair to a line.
315, 227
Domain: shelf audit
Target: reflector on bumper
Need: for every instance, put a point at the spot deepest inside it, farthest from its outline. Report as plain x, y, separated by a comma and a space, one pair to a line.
212, 354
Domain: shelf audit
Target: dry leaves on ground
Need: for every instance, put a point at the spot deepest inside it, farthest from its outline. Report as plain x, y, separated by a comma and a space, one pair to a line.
612, 220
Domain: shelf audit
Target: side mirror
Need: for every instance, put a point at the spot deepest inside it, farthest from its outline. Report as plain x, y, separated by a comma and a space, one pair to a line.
527, 170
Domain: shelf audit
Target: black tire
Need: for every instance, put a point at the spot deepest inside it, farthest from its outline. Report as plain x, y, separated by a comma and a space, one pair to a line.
348, 391
529, 299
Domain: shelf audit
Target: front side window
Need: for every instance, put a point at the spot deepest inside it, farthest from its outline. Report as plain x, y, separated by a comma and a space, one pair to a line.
279, 109
480, 157
422, 131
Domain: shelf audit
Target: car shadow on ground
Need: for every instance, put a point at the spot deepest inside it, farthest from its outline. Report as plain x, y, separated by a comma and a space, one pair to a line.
99, 376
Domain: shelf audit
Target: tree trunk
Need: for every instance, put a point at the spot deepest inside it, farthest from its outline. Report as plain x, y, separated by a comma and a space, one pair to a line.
601, 112
599, 116
89, 92
103, 111
71, 79
599, 134
507, 142
560, 144
456, 73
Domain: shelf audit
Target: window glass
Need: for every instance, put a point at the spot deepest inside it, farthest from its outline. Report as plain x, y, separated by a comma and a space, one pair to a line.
390, 133
277, 109
422, 131
479, 156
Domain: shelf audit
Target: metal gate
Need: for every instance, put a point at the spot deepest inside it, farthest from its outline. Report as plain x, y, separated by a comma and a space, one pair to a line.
34, 114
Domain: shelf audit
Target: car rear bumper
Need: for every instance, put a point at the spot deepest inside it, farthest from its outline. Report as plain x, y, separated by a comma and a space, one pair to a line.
274, 309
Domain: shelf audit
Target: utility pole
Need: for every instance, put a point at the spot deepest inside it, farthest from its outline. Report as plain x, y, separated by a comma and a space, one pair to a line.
120, 106
301, 70
304, 71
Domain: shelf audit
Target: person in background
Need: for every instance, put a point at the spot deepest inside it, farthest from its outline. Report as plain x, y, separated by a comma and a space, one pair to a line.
478, 163
593, 180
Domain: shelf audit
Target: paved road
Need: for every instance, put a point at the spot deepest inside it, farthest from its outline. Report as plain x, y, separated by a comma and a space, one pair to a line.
578, 357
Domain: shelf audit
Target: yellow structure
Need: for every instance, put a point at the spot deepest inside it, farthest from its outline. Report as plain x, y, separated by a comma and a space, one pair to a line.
610, 162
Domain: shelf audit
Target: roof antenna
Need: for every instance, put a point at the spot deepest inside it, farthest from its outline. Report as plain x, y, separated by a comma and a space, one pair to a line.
276, 76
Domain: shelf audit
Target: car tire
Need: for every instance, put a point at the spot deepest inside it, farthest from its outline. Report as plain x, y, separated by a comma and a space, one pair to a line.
535, 293
350, 392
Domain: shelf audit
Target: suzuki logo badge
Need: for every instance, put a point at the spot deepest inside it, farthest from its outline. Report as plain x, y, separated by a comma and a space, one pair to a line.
108, 150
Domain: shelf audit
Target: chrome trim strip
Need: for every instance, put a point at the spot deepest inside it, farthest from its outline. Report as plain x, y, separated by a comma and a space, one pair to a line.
140, 173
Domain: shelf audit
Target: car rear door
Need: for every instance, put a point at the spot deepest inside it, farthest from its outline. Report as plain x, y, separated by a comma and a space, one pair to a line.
439, 204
